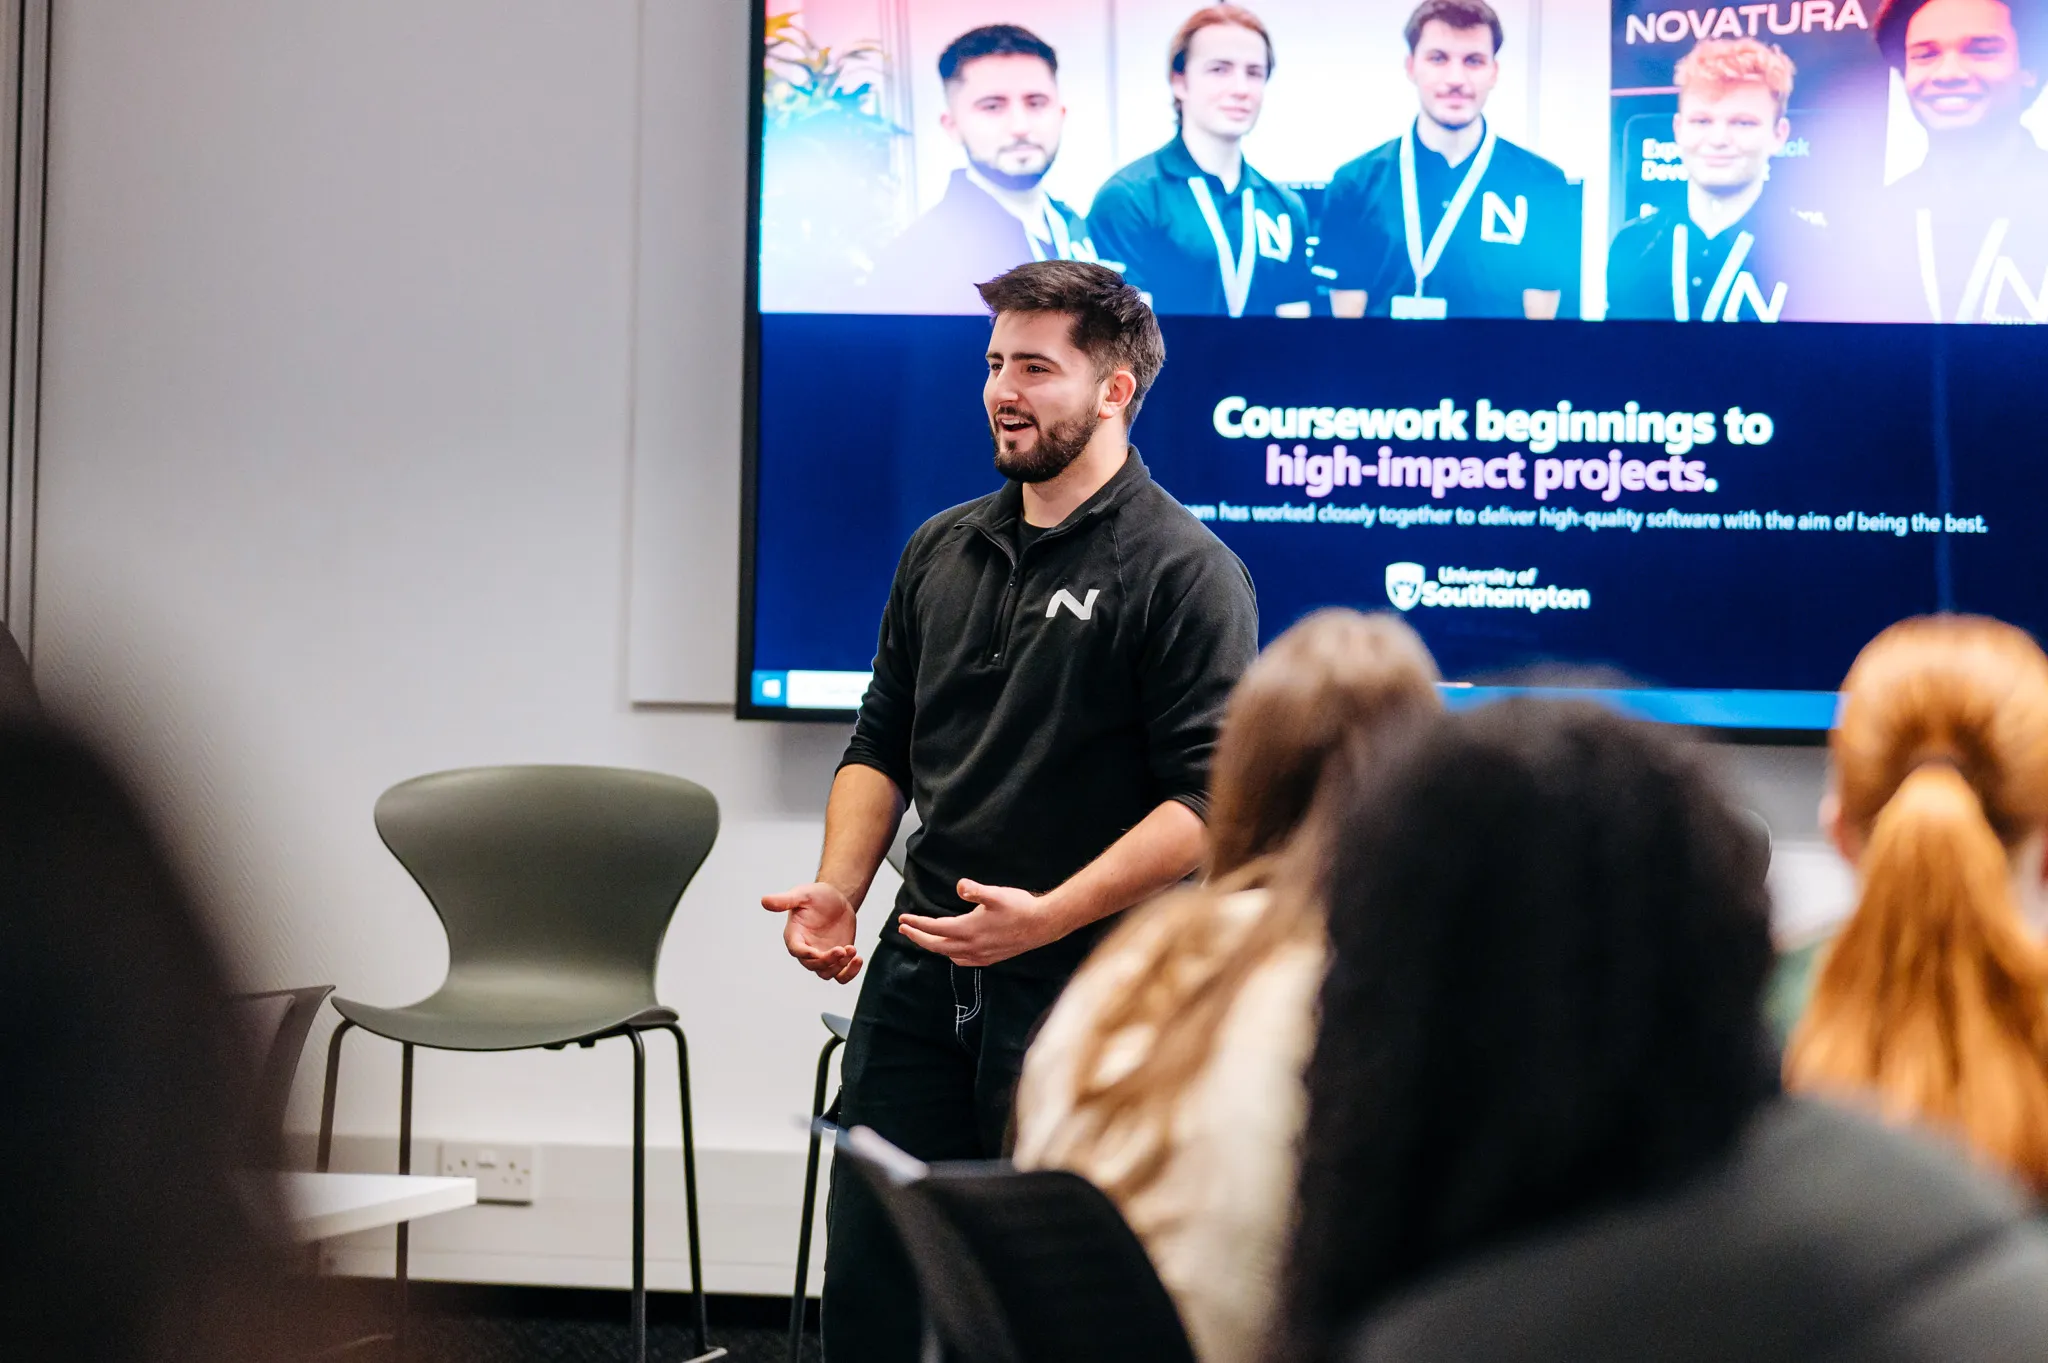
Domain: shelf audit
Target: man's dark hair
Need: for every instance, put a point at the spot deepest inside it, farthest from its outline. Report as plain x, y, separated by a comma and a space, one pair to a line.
1457, 14
1112, 324
1549, 936
994, 40
1893, 16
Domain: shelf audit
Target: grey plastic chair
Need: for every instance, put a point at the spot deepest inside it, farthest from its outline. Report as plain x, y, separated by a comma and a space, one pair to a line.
555, 886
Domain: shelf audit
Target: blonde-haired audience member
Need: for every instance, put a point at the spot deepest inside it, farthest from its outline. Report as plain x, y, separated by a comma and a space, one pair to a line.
1934, 996
1169, 1073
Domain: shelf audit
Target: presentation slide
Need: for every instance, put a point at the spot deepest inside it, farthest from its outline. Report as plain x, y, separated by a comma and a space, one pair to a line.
1804, 160
1416, 267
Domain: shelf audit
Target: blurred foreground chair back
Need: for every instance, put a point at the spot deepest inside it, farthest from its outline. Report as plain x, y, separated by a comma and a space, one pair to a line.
131, 1231
278, 1022
17, 684
1021, 1266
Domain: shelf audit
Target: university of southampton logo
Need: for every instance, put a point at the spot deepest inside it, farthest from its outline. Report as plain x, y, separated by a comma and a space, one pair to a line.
1481, 589
1404, 584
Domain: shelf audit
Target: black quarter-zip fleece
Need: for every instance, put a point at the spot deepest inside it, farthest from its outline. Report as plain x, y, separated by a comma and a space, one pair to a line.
1035, 707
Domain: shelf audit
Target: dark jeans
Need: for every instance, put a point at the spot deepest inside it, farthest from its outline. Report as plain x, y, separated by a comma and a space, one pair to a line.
931, 1065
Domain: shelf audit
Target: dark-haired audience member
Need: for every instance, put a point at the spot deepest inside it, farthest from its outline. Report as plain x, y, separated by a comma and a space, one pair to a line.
1169, 1073
1053, 662
1934, 996
129, 1237
1542, 1119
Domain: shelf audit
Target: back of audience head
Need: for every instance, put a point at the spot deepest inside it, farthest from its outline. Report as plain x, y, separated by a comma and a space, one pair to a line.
1333, 675
1331, 678
1549, 933
130, 1237
1934, 996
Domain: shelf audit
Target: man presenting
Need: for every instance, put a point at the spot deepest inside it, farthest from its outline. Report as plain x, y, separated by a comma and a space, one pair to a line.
1053, 662
1003, 108
1737, 253
1193, 225
1450, 219
1964, 238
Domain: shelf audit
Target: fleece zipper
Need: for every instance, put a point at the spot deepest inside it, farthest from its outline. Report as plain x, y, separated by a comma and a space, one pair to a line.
1006, 610
999, 637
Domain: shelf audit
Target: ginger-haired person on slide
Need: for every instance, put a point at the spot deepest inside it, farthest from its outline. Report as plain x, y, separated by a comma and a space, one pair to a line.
1739, 251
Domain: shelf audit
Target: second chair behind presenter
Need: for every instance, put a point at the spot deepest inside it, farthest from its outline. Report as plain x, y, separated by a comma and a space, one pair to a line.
1192, 225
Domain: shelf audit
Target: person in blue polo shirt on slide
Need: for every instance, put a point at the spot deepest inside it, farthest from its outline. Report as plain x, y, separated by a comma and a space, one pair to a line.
1737, 253
1193, 226
1450, 219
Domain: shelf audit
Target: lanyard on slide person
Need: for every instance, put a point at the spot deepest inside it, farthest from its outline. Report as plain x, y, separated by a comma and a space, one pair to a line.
1681, 255
1421, 262
1057, 238
1980, 269
1237, 276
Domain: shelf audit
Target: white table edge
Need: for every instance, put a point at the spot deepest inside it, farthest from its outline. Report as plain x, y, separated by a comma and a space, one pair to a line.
322, 1206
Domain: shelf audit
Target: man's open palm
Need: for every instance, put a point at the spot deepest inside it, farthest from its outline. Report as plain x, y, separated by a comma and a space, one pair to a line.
818, 930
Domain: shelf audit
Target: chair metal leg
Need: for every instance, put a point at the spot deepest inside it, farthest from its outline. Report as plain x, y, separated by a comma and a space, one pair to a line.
404, 1167
639, 1196
326, 1146
704, 1349
803, 1235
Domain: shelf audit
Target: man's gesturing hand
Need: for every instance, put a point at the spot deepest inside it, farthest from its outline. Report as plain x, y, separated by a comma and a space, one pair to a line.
819, 929
1003, 923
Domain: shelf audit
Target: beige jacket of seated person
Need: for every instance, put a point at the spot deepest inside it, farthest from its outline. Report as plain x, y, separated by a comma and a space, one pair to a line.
1216, 1220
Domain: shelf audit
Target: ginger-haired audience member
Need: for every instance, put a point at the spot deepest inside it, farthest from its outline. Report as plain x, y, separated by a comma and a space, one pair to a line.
1934, 995
1543, 1121
1170, 1071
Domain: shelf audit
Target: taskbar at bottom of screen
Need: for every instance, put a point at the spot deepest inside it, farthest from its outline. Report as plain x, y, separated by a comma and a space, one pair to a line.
808, 690
1777, 710
1780, 710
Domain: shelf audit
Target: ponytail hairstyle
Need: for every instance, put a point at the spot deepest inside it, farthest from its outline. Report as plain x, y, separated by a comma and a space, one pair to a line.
1333, 678
1935, 995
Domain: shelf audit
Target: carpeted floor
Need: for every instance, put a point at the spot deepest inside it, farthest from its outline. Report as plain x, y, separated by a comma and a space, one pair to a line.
497, 1339
473, 1324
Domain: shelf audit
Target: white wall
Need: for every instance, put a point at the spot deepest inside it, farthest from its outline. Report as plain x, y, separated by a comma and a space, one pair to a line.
338, 406
346, 339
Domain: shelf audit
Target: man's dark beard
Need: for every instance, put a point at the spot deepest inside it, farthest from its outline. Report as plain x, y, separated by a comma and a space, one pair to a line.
1059, 445
1003, 179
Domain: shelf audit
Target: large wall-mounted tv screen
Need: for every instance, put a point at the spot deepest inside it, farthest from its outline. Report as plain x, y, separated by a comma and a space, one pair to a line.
1623, 340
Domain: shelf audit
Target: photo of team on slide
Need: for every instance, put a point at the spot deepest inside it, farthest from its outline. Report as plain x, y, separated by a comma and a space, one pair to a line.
1807, 160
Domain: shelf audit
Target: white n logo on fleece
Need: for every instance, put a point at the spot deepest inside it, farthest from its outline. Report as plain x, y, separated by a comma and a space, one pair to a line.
1083, 610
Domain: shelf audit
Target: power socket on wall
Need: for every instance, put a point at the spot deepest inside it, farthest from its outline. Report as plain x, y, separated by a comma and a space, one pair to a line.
503, 1173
